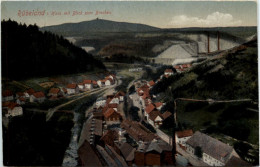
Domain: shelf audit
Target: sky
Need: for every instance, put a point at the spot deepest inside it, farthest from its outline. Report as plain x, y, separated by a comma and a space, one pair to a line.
162, 14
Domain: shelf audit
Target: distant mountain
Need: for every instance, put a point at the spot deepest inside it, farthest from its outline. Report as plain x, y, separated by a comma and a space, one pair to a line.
98, 25
28, 52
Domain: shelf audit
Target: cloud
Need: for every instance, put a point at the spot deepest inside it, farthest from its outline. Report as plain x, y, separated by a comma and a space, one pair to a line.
215, 19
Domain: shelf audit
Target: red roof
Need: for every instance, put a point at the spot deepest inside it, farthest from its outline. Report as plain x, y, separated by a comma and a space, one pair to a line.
149, 108
94, 82
72, 86
87, 81
168, 70
158, 104
114, 105
30, 91
151, 83
39, 94
166, 114
7, 93
184, 133
109, 112
12, 105
64, 90
154, 114
54, 90
21, 99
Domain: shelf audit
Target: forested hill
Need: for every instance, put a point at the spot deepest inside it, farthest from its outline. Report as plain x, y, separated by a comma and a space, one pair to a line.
28, 52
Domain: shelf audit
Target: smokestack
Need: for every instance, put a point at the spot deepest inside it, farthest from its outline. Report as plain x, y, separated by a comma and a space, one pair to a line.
218, 41
208, 44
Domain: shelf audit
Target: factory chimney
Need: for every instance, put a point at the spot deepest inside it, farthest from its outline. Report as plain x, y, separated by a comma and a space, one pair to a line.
208, 44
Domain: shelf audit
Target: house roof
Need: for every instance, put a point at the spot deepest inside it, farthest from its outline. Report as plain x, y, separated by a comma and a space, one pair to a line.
6, 93
210, 146
151, 83
168, 70
87, 81
82, 84
39, 94
235, 161
117, 158
127, 151
109, 137
166, 114
94, 82
22, 99
137, 131
113, 105
158, 104
154, 114
72, 86
30, 91
149, 108
184, 133
54, 90
109, 112
12, 105
64, 90
85, 151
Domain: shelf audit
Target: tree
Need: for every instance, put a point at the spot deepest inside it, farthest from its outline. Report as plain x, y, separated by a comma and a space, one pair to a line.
198, 152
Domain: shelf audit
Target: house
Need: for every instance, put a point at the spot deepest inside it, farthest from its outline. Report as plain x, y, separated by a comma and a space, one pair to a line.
101, 83
109, 138
120, 95
113, 105
20, 94
88, 84
151, 83
128, 152
149, 109
13, 109
214, 152
7, 95
63, 91
87, 150
155, 118
158, 105
93, 130
154, 153
21, 100
101, 101
28, 93
111, 157
109, 81
54, 92
81, 86
112, 100
72, 89
137, 131
168, 72
181, 137
37, 97
166, 115
94, 83
112, 116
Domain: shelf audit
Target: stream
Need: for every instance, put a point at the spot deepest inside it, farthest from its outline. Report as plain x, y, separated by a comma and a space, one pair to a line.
71, 154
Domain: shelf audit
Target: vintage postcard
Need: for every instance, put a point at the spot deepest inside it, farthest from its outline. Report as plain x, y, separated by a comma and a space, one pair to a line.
129, 83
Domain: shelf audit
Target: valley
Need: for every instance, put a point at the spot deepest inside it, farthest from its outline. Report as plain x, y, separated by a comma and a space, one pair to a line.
155, 92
